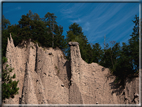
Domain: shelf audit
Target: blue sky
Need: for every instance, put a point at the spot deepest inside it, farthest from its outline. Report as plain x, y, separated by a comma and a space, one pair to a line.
113, 20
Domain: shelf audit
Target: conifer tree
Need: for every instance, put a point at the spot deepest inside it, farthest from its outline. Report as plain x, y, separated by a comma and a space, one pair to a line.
9, 87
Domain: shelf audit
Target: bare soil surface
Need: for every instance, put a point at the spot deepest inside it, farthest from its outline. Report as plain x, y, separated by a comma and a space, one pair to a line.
46, 77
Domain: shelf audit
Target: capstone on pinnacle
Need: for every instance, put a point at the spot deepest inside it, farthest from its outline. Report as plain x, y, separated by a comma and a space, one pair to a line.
73, 43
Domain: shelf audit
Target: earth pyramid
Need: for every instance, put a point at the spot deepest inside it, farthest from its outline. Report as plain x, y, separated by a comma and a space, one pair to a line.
47, 77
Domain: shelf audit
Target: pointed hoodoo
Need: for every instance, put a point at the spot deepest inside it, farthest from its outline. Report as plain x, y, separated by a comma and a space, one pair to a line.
75, 58
75, 96
10, 45
8, 41
11, 40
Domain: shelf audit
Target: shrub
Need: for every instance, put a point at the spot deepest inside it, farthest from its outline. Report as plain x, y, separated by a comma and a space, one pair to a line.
9, 87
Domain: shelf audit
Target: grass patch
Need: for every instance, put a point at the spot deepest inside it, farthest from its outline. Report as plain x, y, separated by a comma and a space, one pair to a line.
32, 47
56, 67
58, 71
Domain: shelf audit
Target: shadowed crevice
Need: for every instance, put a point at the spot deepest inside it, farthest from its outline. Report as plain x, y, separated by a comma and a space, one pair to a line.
36, 58
68, 69
75, 95
21, 98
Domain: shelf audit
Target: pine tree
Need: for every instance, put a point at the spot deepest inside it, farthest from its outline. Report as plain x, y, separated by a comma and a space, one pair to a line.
50, 20
97, 53
127, 59
134, 44
9, 87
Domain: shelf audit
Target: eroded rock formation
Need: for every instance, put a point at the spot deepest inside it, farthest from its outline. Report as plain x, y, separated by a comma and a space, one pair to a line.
46, 77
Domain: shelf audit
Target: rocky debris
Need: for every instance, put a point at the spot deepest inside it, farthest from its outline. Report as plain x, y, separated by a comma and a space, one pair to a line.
62, 85
54, 80
136, 95
50, 53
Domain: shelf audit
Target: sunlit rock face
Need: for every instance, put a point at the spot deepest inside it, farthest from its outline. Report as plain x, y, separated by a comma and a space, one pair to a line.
47, 77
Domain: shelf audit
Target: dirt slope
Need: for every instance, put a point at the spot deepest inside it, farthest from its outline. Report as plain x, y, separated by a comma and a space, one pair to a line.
46, 77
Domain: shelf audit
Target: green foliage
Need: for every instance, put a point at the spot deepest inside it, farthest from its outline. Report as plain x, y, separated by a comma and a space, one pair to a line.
71, 36
124, 61
5, 34
50, 19
59, 40
75, 28
56, 67
134, 45
4, 60
9, 87
97, 53
5, 23
75, 34
128, 61
39, 30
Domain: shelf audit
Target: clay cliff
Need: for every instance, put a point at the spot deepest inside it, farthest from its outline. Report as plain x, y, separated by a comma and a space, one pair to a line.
47, 77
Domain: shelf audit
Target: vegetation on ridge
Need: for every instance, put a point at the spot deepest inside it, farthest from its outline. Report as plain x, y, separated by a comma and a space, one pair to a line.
123, 61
